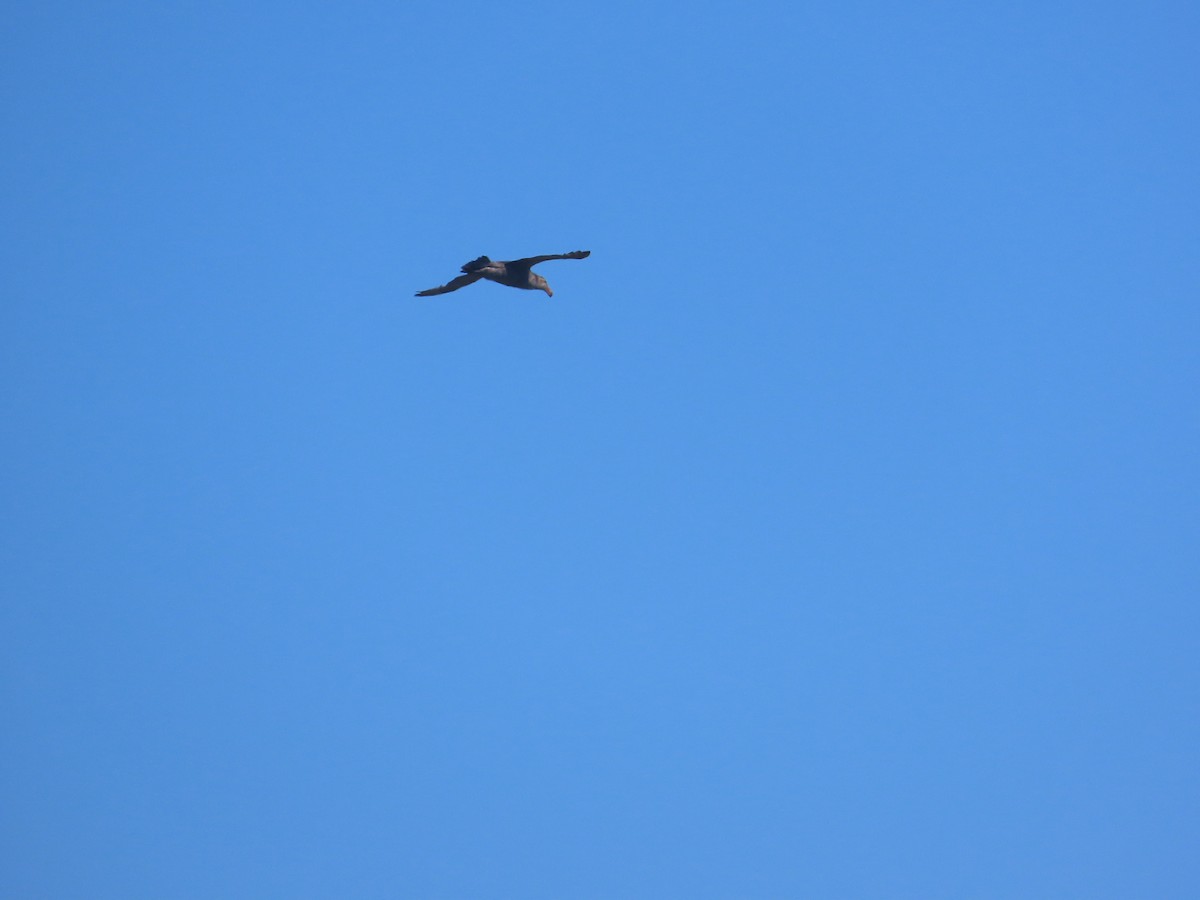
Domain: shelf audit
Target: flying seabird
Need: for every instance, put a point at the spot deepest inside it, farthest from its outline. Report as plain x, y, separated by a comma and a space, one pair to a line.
516, 273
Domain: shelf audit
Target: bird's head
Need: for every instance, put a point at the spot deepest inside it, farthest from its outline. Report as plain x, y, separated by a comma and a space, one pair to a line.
542, 285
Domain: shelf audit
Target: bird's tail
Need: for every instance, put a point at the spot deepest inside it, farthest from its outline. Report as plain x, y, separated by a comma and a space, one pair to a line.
476, 264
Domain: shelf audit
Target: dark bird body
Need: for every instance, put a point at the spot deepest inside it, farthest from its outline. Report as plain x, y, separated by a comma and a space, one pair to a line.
516, 273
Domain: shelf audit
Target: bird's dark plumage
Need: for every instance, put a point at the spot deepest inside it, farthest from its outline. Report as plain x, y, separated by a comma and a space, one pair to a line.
514, 273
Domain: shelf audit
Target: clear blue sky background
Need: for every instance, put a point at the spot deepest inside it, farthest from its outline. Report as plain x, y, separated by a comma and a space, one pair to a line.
832, 532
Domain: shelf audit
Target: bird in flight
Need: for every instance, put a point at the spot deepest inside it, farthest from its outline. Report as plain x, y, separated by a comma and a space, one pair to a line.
516, 273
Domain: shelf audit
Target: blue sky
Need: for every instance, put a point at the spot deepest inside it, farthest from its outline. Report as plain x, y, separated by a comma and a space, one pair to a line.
831, 532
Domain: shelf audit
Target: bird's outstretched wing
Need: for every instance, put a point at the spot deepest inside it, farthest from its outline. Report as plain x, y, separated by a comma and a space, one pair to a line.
529, 261
460, 281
